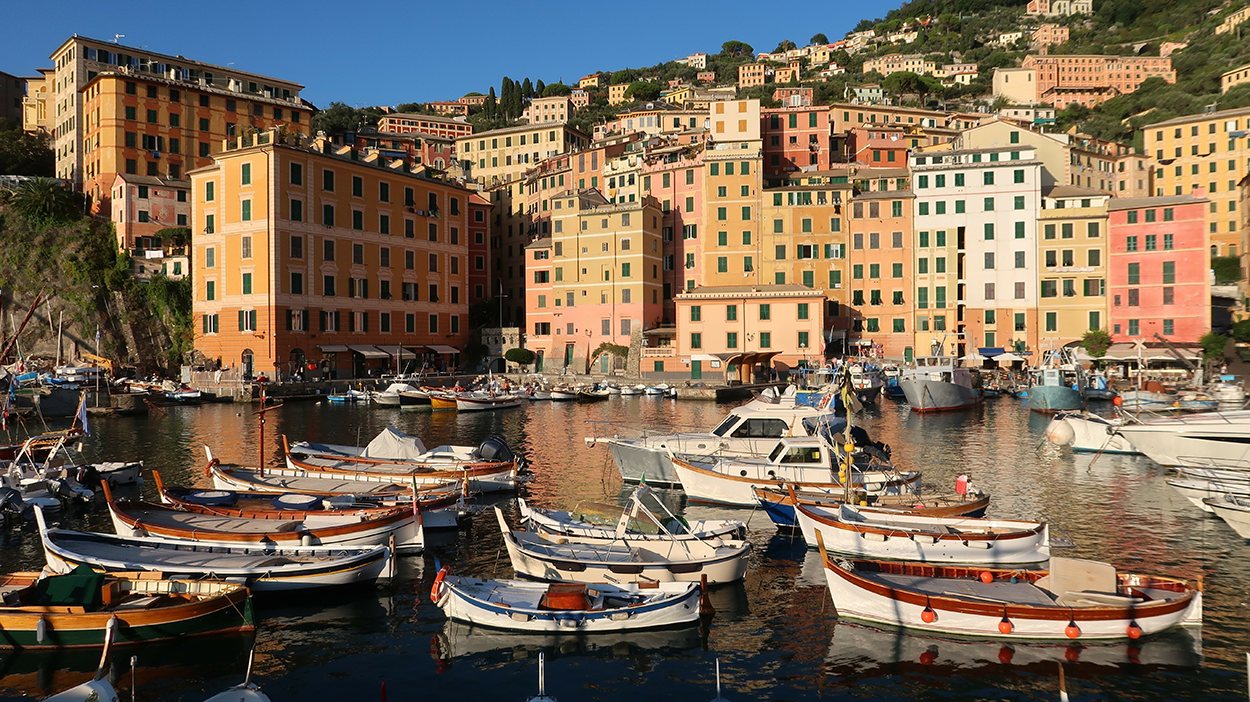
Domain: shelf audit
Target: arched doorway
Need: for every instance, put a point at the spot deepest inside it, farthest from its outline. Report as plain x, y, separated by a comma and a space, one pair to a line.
248, 363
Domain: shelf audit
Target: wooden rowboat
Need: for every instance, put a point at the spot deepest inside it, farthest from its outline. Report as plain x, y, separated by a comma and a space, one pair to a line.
263, 568
165, 522
483, 476
779, 506
74, 610
1075, 599
232, 477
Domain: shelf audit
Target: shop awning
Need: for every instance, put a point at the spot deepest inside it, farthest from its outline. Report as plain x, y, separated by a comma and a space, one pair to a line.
369, 351
436, 348
332, 348
397, 351
992, 351
703, 357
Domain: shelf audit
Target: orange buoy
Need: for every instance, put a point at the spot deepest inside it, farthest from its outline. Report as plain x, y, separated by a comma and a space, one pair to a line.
928, 616
1117, 401
1072, 630
1134, 631
987, 577
1005, 626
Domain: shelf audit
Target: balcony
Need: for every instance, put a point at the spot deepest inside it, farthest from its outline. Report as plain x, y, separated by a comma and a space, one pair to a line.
659, 351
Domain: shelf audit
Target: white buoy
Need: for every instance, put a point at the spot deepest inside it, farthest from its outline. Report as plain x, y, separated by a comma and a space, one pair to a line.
1059, 432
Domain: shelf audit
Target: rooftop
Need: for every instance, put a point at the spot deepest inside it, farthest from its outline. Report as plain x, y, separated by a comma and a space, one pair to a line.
750, 290
178, 59
1234, 112
1133, 203
1066, 191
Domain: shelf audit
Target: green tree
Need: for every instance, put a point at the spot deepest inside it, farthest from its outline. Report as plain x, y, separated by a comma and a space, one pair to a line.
539, 88
556, 89
1096, 342
621, 77
408, 107
642, 91
818, 38
1213, 345
527, 89
491, 106
25, 154
784, 46
45, 202
736, 48
522, 356
340, 117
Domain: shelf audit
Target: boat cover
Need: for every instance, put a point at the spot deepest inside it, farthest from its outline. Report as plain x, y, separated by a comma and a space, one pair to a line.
78, 588
394, 444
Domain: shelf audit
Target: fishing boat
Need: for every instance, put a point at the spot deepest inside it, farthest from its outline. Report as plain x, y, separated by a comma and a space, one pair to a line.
400, 525
867, 382
74, 610
893, 375
752, 429
1074, 599
865, 532
1197, 440
1234, 510
263, 568
1227, 393
351, 396
633, 389
807, 462
1198, 491
593, 394
1146, 400
778, 503
400, 395
563, 393
1086, 431
1057, 384
937, 384
442, 398
481, 401
439, 509
1098, 388
232, 477
591, 522
520, 605
625, 560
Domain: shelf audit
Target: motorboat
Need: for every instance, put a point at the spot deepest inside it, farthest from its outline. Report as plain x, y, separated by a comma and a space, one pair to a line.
563, 393
1234, 510
1086, 431
1146, 401
74, 610
625, 560
591, 522
807, 462
520, 605
938, 384
350, 396
263, 568
1057, 384
1098, 388
400, 526
865, 532
400, 395
750, 430
1227, 392
482, 401
1198, 491
1074, 599
892, 375
593, 394
1199, 440
867, 382
633, 389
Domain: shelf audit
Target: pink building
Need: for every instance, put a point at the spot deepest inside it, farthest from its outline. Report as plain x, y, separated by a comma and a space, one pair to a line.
580, 98
706, 76
479, 248
794, 97
795, 138
1158, 280
878, 146
143, 208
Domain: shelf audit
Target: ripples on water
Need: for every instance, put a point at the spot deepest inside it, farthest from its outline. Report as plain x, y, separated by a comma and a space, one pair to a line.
775, 633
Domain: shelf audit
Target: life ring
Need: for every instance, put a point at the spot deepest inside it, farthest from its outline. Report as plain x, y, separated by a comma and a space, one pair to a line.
436, 590
208, 469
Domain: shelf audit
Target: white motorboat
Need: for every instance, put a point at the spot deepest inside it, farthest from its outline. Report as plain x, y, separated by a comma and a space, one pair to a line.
633, 389
400, 395
867, 381
563, 394
1227, 393
1086, 431
865, 532
625, 560
521, 605
1234, 510
937, 384
480, 402
750, 430
592, 522
808, 463
247, 691
262, 567
613, 389
1199, 491
1199, 440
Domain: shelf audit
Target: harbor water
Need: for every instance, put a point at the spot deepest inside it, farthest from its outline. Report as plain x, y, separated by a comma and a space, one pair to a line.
776, 634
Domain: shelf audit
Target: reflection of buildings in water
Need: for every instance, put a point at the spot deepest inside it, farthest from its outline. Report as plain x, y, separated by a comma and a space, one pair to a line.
859, 651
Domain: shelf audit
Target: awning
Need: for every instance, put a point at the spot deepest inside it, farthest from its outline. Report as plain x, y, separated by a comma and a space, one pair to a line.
991, 351
369, 351
436, 348
397, 351
332, 348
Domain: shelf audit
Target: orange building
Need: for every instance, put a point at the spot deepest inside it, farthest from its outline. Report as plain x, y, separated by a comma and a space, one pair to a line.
303, 254
750, 74
144, 124
881, 272
404, 123
1089, 72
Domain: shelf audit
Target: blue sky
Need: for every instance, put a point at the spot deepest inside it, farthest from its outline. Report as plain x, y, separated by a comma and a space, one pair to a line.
386, 52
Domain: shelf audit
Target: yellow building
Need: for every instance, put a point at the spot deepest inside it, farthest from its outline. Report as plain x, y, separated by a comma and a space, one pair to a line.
1210, 151
79, 60
1072, 258
616, 93
304, 254
39, 103
732, 186
1237, 76
750, 74
149, 125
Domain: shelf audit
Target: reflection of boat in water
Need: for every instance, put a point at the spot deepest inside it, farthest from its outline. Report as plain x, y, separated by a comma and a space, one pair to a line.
856, 648
457, 640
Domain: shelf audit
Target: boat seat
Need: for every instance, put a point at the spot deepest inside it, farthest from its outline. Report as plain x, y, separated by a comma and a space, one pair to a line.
565, 597
1078, 575
1096, 599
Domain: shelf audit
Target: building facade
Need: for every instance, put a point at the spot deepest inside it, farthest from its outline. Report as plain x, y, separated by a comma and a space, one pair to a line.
152, 220
1237, 76
434, 125
1072, 250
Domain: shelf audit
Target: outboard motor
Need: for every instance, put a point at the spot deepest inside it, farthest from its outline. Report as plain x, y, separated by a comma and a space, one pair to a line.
67, 489
88, 476
496, 449
12, 505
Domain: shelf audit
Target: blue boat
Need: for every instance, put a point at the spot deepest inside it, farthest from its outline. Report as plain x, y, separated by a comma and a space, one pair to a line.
1057, 384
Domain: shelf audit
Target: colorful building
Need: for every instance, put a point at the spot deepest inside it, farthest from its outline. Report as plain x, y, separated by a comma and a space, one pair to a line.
1159, 274
881, 267
302, 254
152, 219
796, 139
433, 125
1072, 250
1092, 73
751, 74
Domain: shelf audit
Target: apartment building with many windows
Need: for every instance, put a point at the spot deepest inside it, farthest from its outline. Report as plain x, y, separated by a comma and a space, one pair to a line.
881, 267
302, 254
1072, 254
1159, 272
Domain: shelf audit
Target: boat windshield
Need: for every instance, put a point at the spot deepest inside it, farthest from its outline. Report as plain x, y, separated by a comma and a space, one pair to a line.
605, 515
726, 425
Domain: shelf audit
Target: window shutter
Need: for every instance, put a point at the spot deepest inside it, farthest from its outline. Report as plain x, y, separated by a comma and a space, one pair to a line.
321, 320
242, 324
364, 321
288, 320
252, 315
364, 289
205, 319
303, 316
351, 321
338, 321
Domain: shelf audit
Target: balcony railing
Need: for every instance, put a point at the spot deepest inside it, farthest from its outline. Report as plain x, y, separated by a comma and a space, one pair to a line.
659, 351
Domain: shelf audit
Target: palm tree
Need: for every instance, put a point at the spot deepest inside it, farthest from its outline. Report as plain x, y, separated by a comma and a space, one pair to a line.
46, 200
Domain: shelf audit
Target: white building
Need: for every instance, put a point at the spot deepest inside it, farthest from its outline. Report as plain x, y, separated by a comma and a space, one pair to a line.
976, 268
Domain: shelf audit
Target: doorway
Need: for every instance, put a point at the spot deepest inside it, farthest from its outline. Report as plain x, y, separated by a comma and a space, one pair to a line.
248, 363
568, 355
696, 370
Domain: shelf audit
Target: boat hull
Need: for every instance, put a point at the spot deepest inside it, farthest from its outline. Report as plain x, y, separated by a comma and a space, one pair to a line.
926, 395
1191, 446
680, 607
473, 404
1096, 435
1199, 491
1234, 513
707, 485
779, 508
1049, 399
1027, 546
